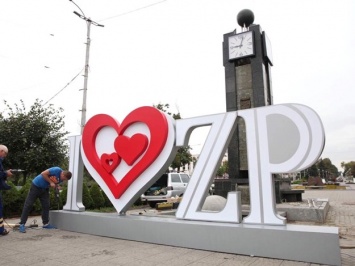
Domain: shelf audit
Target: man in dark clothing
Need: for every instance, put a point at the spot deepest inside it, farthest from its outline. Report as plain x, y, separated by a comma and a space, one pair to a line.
3, 186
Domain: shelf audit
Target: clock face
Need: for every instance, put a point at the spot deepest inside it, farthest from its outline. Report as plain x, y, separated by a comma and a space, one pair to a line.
241, 45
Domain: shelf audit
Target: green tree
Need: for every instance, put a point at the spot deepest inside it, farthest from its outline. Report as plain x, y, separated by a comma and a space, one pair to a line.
97, 197
328, 170
348, 168
312, 171
165, 108
182, 158
183, 155
324, 169
222, 169
35, 138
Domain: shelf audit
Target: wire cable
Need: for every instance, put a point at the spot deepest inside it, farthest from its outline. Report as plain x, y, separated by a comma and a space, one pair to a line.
122, 14
64, 87
134, 10
16, 226
12, 227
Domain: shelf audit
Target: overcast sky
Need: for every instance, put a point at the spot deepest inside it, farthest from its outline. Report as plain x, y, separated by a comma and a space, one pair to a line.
170, 51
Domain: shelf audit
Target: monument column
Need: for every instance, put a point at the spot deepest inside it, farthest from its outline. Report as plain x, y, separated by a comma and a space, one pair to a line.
247, 59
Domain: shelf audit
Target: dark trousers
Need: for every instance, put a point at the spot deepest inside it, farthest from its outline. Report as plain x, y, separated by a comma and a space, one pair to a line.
43, 195
1, 216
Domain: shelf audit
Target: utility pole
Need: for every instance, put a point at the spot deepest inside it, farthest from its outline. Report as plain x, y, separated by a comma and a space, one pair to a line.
86, 75
78, 172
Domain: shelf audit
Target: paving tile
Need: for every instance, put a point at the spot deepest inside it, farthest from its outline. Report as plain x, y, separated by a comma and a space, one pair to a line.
19, 249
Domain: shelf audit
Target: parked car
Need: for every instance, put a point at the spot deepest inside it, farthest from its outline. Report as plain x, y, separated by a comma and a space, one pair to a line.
167, 186
339, 179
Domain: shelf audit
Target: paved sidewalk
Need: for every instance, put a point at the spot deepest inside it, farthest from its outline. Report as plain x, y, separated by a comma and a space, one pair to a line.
57, 247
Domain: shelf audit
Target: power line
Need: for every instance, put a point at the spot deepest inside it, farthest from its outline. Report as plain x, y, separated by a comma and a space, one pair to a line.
64, 87
119, 15
134, 10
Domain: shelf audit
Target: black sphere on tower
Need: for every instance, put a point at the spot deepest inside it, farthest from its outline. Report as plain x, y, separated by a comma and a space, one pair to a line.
245, 18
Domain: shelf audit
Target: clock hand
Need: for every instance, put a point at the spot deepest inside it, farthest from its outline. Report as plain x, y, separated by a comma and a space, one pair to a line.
241, 43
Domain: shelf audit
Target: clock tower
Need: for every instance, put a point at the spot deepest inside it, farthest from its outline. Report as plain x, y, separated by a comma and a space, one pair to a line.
247, 59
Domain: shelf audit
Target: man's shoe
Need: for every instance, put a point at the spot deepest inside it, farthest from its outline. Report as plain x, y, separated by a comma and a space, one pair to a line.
22, 228
48, 226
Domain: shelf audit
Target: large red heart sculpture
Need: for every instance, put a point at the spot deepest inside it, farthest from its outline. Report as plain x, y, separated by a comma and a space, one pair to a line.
137, 151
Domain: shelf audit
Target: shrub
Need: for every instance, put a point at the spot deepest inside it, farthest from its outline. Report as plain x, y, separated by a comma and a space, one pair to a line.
12, 203
64, 194
297, 182
107, 203
96, 195
87, 200
55, 203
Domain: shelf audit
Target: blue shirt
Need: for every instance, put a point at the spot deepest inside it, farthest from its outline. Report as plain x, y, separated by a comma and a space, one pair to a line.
40, 182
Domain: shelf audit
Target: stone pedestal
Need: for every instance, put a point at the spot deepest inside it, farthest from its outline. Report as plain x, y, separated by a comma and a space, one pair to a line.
223, 186
314, 244
245, 194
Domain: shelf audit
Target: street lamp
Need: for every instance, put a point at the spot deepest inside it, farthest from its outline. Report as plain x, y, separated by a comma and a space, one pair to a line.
86, 75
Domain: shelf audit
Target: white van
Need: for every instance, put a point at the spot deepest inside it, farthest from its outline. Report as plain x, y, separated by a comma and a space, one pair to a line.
167, 186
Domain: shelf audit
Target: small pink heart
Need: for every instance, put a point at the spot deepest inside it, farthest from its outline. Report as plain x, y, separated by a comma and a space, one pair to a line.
131, 148
110, 161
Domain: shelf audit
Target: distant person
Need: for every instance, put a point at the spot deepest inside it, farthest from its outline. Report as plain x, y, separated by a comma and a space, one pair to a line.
3, 186
40, 186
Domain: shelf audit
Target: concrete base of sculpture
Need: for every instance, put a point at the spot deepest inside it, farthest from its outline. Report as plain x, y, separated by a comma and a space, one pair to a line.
313, 244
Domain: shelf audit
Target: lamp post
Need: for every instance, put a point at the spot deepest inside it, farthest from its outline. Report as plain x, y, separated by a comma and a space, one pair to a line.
75, 194
86, 75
